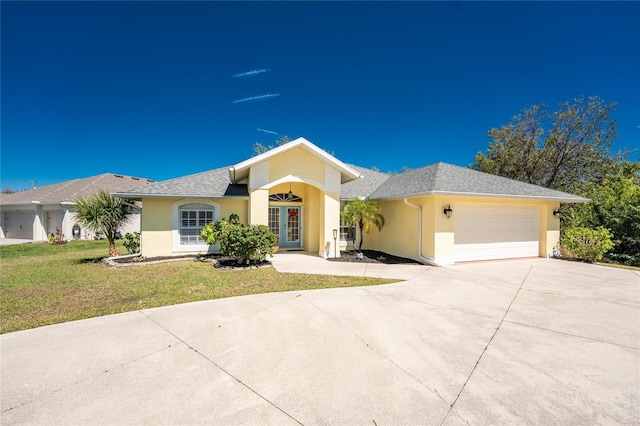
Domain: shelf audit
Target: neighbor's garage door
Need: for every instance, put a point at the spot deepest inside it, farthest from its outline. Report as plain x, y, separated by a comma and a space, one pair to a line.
487, 231
18, 225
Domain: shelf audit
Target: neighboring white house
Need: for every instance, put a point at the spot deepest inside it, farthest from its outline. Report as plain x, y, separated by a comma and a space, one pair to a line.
37, 213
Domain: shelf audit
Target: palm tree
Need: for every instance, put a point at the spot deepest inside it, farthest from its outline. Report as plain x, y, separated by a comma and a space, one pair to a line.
102, 212
364, 214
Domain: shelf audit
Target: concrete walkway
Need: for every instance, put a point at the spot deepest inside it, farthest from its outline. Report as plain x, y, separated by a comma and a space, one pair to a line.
516, 342
307, 263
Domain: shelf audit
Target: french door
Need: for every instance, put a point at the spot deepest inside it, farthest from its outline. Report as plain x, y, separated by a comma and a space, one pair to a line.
286, 223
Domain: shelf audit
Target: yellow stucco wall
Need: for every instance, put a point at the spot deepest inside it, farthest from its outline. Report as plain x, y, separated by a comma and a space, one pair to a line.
157, 222
156, 227
399, 235
239, 207
296, 162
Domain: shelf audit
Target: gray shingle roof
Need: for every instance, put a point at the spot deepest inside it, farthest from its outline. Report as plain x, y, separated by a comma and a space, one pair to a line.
449, 179
438, 178
364, 186
71, 190
210, 184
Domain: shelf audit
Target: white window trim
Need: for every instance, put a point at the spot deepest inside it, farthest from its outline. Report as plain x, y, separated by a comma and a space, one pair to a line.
176, 247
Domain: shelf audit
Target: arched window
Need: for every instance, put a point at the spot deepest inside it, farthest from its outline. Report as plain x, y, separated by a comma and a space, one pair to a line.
285, 197
192, 218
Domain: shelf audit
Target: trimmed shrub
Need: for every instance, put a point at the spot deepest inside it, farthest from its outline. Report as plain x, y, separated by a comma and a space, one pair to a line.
586, 243
246, 243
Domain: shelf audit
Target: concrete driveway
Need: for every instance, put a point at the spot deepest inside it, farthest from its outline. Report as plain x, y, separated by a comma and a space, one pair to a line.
13, 241
516, 342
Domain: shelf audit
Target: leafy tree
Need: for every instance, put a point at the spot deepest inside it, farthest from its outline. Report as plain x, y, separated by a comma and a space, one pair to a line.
8, 191
102, 212
364, 214
258, 148
568, 149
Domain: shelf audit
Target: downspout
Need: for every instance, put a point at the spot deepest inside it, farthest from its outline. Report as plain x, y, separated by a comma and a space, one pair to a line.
420, 255
232, 169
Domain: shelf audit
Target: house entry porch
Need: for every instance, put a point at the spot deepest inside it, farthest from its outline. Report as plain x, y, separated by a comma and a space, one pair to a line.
286, 223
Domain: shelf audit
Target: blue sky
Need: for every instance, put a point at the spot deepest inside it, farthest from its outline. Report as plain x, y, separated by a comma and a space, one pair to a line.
164, 89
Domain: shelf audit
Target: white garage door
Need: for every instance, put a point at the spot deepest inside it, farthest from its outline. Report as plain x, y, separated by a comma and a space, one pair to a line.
18, 225
486, 231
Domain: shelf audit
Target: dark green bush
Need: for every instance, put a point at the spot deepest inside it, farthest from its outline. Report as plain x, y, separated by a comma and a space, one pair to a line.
246, 243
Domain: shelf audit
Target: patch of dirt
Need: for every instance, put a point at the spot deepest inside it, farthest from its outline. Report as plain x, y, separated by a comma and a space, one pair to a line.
373, 256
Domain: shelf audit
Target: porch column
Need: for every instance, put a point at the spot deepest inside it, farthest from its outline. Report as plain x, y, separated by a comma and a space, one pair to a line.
259, 197
259, 207
330, 247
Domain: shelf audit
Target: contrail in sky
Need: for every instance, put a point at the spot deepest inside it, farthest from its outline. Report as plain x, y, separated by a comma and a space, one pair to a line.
257, 98
251, 73
267, 131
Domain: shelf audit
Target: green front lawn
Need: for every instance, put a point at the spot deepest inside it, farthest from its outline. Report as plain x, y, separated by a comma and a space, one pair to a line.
45, 284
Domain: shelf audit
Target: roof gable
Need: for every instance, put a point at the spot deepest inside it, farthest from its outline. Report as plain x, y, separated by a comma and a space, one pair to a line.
240, 171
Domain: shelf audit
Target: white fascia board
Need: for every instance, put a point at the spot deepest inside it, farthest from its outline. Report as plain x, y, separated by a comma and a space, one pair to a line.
239, 171
217, 197
479, 195
529, 197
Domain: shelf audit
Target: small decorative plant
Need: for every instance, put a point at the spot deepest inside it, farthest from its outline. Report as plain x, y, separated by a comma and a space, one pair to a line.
131, 242
58, 238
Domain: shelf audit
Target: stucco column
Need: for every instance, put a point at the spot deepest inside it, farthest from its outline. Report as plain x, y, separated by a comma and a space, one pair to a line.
39, 233
549, 230
329, 246
259, 207
443, 231
258, 196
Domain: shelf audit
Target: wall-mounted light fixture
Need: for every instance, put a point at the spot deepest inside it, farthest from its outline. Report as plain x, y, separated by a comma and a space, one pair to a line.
447, 211
557, 213
290, 195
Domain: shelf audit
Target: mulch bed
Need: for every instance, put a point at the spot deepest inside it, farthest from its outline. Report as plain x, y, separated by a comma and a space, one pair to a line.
220, 261
373, 256
217, 260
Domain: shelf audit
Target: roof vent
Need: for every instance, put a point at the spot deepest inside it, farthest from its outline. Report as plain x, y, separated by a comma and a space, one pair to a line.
118, 176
